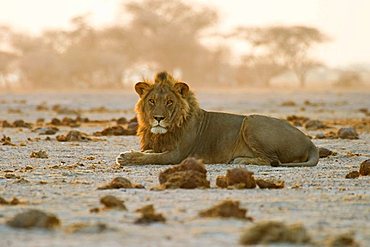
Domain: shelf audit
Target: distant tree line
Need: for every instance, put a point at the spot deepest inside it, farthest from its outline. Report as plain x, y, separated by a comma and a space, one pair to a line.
160, 35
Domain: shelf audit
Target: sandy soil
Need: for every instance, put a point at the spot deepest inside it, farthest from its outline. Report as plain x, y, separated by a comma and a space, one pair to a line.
66, 183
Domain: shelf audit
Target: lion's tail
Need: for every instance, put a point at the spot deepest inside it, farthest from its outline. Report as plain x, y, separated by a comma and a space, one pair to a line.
313, 159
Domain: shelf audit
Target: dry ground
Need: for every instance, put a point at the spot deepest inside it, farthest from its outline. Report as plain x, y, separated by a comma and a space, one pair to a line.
320, 197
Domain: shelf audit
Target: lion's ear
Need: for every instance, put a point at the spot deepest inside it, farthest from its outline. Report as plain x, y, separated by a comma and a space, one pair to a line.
141, 88
182, 88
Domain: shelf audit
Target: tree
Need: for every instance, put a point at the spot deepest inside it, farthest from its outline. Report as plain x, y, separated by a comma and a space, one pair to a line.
168, 34
259, 69
289, 46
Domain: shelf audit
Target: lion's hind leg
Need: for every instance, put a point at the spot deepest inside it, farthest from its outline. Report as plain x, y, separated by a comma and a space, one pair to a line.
250, 161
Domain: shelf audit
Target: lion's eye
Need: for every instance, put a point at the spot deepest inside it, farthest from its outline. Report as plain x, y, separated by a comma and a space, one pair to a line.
151, 101
169, 102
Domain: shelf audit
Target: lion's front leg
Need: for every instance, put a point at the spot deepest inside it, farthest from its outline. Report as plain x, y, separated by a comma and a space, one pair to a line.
141, 158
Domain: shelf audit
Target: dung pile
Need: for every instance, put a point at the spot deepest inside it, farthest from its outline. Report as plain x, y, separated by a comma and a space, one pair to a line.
13, 202
46, 131
86, 228
270, 183
324, 152
275, 232
112, 202
365, 168
226, 209
237, 178
148, 215
34, 219
363, 171
39, 154
74, 136
6, 140
297, 120
120, 183
345, 239
117, 130
189, 174
315, 125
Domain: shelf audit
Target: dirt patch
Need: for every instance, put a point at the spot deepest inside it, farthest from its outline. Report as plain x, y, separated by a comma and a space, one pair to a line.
365, 168
226, 209
148, 215
189, 174
275, 232
120, 183
353, 174
347, 133
74, 136
39, 154
34, 219
238, 178
112, 202
270, 183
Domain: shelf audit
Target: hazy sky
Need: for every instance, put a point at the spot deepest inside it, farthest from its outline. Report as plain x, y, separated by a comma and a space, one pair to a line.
347, 22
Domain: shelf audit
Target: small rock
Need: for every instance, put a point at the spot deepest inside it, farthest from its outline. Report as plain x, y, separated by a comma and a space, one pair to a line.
347, 133
365, 168
34, 219
226, 209
353, 174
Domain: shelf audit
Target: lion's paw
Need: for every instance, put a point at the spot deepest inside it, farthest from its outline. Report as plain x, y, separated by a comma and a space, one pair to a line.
129, 157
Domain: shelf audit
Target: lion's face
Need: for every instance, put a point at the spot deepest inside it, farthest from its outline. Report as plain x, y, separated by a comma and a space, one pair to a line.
162, 106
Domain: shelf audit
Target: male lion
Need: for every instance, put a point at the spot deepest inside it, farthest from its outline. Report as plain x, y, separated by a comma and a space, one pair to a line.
172, 127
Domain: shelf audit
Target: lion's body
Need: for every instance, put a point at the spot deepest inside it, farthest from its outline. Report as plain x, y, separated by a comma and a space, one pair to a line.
215, 137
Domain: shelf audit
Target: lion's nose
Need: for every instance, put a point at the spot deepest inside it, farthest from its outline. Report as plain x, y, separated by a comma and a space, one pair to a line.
158, 118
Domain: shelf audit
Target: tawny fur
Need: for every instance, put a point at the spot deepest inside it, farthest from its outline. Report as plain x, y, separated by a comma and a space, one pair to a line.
212, 136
